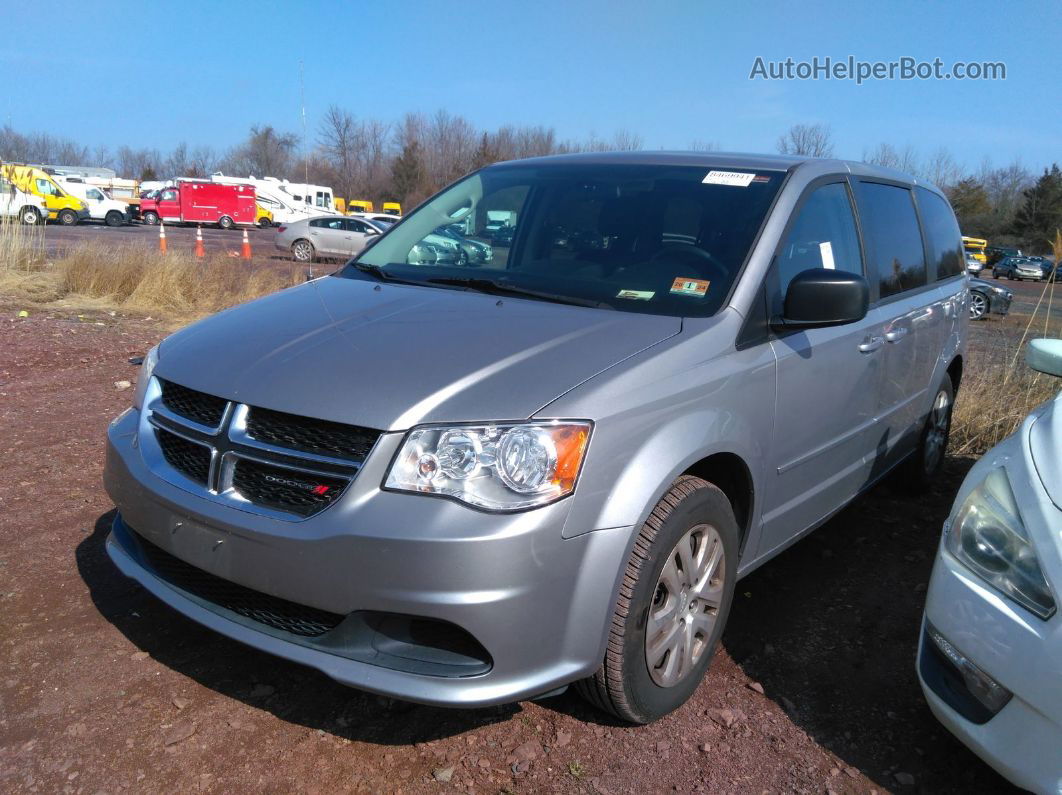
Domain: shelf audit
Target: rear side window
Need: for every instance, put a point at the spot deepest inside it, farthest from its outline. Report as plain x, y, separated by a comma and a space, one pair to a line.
892, 237
943, 239
822, 236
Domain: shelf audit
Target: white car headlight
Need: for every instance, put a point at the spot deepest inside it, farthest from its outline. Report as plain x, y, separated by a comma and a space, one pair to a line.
987, 535
143, 378
497, 466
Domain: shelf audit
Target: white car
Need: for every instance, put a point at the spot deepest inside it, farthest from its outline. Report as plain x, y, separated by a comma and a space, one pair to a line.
101, 207
990, 656
26, 207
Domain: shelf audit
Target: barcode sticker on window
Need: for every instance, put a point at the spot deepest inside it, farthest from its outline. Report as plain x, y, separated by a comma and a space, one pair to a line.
737, 179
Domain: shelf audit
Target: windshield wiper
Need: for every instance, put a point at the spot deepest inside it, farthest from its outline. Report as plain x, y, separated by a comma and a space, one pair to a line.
492, 287
381, 274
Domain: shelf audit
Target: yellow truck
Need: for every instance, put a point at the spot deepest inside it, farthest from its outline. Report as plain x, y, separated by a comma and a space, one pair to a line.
392, 208
61, 206
359, 206
975, 247
262, 216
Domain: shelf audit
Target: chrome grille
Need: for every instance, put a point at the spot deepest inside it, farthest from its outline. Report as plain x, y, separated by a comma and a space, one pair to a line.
255, 459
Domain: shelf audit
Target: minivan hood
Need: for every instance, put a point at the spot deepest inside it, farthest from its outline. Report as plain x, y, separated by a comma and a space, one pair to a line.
1045, 442
391, 356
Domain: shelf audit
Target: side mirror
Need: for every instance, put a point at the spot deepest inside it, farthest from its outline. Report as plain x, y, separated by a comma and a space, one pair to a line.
824, 297
1045, 356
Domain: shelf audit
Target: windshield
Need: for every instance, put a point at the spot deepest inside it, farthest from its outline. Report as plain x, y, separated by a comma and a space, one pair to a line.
665, 240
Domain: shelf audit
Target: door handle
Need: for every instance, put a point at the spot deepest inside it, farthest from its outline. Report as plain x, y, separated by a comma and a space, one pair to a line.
896, 334
871, 344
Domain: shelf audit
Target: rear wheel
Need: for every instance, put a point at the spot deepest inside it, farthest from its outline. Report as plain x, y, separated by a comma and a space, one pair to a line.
67, 217
151, 218
672, 605
925, 464
978, 305
114, 218
264, 222
30, 216
225, 222
303, 251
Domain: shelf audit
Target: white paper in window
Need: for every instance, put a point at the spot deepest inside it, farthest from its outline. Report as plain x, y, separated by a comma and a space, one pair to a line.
826, 252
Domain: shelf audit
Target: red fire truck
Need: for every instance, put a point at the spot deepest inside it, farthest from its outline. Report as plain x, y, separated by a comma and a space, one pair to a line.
193, 201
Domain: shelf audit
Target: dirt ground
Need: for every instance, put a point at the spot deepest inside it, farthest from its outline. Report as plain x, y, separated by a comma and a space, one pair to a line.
103, 688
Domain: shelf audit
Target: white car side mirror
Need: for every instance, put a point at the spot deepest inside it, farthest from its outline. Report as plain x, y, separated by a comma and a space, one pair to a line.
1045, 356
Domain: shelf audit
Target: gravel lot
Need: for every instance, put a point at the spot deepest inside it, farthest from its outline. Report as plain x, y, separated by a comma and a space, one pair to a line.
103, 688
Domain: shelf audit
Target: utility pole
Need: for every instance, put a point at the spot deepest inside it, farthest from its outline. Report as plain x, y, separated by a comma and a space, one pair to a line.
302, 97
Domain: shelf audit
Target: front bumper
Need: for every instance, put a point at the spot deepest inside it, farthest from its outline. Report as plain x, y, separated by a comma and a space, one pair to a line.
999, 301
537, 603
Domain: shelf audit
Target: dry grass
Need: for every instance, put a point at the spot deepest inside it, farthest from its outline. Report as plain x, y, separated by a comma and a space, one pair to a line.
132, 277
998, 388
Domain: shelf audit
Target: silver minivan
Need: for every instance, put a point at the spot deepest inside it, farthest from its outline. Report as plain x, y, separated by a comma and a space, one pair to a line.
472, 483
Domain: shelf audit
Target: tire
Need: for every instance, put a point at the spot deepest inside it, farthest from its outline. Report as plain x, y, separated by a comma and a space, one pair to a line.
114, 218
264, 223
978, 305
67, 217
925, 464
643, 676
151, 218
30, 216
302, 250
225, 222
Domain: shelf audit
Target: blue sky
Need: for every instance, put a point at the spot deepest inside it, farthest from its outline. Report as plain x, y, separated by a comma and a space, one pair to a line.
153, 74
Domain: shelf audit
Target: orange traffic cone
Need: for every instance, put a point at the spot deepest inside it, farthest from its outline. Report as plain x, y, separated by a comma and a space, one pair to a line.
246, 253
199, 242
162, 238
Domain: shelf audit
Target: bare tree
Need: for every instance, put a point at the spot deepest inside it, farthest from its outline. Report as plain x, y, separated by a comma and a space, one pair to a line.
813, 140
888, 156
266, 152
941, 169
698, 145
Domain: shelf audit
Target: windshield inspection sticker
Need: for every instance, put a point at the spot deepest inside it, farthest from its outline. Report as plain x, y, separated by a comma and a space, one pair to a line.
637, 295
737, 179
697, 287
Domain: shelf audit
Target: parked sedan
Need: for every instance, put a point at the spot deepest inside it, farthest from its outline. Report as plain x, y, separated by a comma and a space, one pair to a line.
973, 265
1017, 268
990, 656
329, 236
986, 298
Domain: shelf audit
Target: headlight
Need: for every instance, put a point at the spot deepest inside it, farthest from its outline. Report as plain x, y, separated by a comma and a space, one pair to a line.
497, 466
143, 378
987, 535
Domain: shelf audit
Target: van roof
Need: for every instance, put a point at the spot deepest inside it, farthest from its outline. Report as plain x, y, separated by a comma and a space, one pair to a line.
742, 160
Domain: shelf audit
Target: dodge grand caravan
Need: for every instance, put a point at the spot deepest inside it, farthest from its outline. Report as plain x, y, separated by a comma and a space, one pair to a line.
470, 485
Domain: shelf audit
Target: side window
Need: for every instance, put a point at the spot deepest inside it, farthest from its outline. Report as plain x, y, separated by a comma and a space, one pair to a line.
943, 239
316, 223
822, 236
892, 237
169, 196
46, 188
357, 226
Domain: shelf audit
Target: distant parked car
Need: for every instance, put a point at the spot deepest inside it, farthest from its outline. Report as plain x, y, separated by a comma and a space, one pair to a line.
988, 660
973, 265
1017, 268
330, 236
996, 253
987, 298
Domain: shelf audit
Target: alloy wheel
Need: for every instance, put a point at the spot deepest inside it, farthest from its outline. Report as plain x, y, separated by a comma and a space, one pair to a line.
937, 431
685, 606
978, 306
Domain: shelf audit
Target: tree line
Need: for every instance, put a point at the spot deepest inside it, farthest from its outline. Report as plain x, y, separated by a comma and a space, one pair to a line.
410, 159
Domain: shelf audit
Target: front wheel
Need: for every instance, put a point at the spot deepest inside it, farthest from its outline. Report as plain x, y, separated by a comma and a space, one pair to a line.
672, 606
30, 216
151, 218
67, 217
264, 223
225, 222
302, 250
114, 218
978, 305
926, 463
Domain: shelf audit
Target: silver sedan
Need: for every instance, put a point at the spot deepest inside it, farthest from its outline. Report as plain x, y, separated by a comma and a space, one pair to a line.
327, 237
